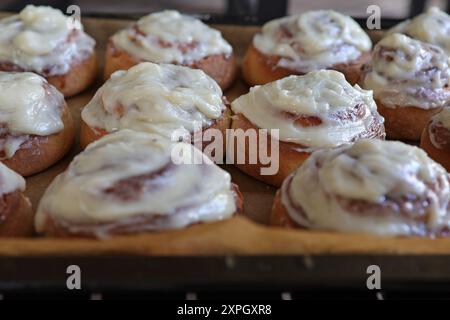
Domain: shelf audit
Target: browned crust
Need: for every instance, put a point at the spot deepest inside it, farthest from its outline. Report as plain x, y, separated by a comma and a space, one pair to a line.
441, 156
40, 152
279, 215
289, 158
405, 123
88, 134
54, 229
16, 216
258, 68
80, 76
218, 67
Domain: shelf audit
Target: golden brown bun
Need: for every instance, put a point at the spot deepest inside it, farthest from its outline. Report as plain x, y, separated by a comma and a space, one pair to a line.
80, 76
279, 215
440, 155
258, 68
40, 152
405, 123
16, 216
54, 229
289, 158
218, 67
88, 134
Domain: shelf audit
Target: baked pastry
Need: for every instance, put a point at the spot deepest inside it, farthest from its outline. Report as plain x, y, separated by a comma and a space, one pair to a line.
317, 110
314, 40
16, 216
380, 187
36, 128
171, 37
431, 26
410, 82
45, 41
175, 101
436, 138
131, 182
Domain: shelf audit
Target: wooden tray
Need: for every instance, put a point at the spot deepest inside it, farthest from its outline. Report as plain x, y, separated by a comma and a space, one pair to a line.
238, 235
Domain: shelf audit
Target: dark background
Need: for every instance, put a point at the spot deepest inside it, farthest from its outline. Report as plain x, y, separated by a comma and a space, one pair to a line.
235, 11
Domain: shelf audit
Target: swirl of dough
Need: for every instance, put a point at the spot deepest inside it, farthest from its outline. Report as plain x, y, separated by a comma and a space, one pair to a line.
373, 186
129, 180
28, 106
43, 40
319, 109
439, 129
313, 40
158, 98
171, 37
432, 26
408, 72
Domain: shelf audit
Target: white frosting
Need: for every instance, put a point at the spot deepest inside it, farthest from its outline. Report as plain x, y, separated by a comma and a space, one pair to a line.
408, 72
432, 26
182, 194
443, 117
313, 40
10, 181
155, 98
344, 189
171, 37
28, 106
323, 94
43, 40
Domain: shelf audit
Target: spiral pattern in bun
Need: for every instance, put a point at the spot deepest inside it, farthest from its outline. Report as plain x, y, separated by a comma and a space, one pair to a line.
372, 186
130, 182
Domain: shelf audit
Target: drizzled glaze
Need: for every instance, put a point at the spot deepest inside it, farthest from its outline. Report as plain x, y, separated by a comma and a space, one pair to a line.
28, 106
408, 72
10, 181
130, 176
171, 37
432, 26
43, 40
374, 186
155, 98
319, 109
313, 40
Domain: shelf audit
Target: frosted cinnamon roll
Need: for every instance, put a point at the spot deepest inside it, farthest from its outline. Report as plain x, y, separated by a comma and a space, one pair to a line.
16, 216
314, 40
131, 182
431, 26
410, 82
174, 101
45, 41
317, 110
435, 138
36, 128
385, 188
171, 37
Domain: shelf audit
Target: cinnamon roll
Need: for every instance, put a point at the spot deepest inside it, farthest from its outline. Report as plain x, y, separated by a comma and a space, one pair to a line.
317, 110
410, 82
171, 37
436, 138
132, 182
431, 26
385, 188
174, 101
16, 216
45, 41
314, 40
36, 128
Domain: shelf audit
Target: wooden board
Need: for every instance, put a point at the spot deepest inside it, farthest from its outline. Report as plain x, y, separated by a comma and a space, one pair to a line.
238, 235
